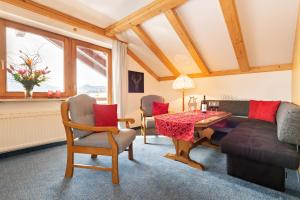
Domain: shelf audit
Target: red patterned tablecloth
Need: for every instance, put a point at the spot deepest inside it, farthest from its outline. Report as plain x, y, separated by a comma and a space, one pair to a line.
180, 126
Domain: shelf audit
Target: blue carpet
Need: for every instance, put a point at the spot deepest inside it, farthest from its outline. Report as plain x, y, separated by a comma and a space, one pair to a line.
40, 175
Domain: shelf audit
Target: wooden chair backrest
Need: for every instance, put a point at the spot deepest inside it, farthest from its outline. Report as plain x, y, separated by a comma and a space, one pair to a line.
66, 118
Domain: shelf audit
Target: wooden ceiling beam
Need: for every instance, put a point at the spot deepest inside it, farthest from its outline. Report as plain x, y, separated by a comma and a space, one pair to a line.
186, 39
260, 69
234, 29
143, 14
155, 49
142, 64
56, 15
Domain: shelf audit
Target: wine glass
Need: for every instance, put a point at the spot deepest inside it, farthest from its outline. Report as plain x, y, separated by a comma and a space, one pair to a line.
211, 105
216, 105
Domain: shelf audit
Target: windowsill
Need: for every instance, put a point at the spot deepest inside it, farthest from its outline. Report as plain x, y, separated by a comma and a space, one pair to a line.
32, 100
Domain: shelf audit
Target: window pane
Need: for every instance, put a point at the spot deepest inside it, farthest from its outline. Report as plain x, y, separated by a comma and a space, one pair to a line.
91, 72
50, 50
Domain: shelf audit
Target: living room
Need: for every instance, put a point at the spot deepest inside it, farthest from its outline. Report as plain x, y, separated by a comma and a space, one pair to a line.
149, 99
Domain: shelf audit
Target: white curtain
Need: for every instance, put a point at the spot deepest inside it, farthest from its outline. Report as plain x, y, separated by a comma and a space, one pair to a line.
119, 69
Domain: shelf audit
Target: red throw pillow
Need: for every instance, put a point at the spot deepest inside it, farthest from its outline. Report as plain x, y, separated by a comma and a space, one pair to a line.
105, 115
159, 108
253, 108
265, 110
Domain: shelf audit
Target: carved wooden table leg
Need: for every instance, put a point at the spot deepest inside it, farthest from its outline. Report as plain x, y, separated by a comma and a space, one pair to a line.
206, 133
183, 149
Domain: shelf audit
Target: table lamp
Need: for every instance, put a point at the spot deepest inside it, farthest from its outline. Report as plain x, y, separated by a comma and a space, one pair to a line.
183, 82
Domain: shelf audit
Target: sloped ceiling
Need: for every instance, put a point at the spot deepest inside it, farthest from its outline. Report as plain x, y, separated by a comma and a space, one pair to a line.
268, 28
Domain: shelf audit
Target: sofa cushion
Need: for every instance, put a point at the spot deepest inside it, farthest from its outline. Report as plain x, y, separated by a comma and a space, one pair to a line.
105, 115
237, 108
257, 141
288, 123
234, 121
231, 123
253, 106
159, 108
81, 112
123, 139
264, 110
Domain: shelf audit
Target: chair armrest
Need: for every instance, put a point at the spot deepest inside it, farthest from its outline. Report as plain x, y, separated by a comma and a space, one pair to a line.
142, 110
84, 127
130, 120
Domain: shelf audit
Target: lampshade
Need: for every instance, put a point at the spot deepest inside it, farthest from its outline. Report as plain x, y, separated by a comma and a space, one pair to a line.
183, 82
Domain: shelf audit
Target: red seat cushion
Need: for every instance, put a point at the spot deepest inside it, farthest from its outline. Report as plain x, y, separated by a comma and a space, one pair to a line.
105, 115
159, 108
264, 110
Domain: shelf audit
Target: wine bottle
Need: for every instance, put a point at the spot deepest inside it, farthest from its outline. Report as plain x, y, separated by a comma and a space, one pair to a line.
204, 105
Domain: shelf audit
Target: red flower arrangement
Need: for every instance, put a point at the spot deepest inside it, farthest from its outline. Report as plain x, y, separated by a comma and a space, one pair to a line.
27, 73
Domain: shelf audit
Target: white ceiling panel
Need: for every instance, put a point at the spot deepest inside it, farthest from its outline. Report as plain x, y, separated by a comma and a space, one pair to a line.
205, 23
145, 54
268, 28
99, 12
163, 34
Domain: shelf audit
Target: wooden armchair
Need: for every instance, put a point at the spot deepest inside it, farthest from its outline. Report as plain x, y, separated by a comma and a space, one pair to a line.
83, 137
147, 120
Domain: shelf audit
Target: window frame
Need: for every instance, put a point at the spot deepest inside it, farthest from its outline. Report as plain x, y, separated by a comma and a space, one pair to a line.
69, 61
76, 43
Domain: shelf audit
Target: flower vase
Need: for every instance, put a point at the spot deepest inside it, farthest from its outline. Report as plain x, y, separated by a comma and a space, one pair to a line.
28, 93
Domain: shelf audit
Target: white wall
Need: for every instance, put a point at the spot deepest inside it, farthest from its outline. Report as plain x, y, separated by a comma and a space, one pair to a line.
259, 86
296, 67
133, 99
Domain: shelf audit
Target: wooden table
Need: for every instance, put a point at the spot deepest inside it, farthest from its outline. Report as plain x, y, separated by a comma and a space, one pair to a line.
202, 133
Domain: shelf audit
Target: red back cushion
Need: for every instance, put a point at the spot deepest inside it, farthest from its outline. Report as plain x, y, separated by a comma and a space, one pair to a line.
264, 110
159, 108
253, 108
105, 115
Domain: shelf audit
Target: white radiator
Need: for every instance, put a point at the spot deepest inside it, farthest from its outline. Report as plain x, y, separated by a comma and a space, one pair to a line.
21, 130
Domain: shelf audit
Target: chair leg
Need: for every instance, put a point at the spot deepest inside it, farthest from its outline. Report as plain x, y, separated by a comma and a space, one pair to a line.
130, 152
115, 169
70, 164
93, 156
144, 134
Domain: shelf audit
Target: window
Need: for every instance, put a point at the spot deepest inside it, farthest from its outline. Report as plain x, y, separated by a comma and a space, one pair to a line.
50, 50
76, 67
92, 67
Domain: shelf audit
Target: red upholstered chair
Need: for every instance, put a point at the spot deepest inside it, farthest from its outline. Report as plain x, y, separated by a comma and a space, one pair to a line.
84, 137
